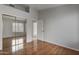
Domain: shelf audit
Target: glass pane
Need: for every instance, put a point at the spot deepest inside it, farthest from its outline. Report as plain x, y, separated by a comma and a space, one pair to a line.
18, 27
15, 27
21, 27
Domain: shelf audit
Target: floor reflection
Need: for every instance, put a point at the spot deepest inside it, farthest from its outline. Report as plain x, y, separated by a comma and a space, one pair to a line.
17, 44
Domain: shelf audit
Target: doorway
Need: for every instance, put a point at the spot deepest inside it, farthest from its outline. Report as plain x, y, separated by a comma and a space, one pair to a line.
34, 35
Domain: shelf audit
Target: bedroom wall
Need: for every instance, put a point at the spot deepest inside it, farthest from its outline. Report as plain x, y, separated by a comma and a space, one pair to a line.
0, 33
61, 25
40, 29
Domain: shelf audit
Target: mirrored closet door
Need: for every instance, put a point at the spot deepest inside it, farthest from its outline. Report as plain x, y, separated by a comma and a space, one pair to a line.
14, 34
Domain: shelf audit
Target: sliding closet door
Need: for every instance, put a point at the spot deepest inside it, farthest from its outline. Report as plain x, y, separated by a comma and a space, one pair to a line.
19, 28
8, 34
14, 34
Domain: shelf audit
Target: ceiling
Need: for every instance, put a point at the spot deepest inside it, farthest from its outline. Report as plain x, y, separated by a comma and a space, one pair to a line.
44, 6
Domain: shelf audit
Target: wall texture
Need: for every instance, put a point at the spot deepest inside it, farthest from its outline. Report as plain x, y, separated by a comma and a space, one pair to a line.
61, 25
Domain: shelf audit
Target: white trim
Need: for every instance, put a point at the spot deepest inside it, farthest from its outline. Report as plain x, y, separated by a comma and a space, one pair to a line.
61, 45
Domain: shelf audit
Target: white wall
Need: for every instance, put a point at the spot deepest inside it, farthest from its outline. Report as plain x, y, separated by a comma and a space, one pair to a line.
18, 6
32, 16
18, 13
61, 25
40, 29
0, 32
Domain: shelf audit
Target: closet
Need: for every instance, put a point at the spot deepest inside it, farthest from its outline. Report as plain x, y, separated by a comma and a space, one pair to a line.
14, 33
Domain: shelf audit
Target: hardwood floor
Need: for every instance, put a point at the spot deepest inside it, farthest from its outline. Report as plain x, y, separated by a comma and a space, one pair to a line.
43, 48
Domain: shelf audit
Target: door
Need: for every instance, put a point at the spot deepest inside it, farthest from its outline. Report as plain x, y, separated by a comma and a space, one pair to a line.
14, 34
18, 43
8, 34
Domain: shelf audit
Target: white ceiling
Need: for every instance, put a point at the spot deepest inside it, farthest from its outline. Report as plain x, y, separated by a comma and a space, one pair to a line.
44, 6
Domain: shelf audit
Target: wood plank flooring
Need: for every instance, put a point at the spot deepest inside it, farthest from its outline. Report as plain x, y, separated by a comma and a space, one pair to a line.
43, 48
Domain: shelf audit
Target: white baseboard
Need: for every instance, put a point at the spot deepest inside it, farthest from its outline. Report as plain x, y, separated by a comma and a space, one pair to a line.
57, 44
61, 45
